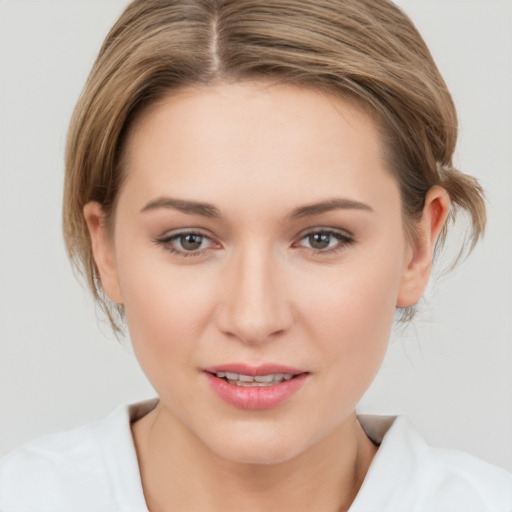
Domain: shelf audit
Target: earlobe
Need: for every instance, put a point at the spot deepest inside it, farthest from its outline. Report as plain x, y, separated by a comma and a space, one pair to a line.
418, 262
103, 250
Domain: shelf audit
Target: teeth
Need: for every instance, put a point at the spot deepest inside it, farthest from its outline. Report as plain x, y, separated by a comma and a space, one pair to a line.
264, 378
240, 379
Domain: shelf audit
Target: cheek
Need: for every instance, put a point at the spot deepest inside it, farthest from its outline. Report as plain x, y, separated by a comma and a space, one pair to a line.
350, 313
165, 306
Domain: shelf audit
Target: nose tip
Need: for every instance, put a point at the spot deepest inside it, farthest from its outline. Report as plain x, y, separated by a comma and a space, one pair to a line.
252, 330
255, 308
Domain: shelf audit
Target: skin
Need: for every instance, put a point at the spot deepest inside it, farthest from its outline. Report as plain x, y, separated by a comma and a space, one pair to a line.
259, 290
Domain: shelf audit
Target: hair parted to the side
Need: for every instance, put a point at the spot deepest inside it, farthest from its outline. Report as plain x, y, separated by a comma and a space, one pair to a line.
363, 49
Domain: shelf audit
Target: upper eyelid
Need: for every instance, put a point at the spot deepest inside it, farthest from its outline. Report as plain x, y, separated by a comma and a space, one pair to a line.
167, 240
200, 231
343, 240
168, 235
327, 230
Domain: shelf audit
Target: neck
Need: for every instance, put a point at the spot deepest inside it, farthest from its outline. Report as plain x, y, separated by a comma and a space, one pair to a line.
180, 473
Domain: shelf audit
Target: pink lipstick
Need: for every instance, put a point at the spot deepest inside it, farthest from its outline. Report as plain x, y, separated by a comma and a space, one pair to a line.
255, 387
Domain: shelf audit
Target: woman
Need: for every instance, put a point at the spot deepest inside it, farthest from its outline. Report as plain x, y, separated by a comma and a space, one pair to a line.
255, 187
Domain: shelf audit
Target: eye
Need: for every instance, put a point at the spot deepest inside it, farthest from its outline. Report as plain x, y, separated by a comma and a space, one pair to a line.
186, 243
325, 240
190, 241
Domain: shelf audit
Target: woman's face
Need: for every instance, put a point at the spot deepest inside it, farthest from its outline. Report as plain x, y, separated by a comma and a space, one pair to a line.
258, 228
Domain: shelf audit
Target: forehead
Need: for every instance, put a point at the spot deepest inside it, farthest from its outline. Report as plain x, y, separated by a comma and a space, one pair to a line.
250, 138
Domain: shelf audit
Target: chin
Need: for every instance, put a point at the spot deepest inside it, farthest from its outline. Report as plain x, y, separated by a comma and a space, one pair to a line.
256, 446
259, 455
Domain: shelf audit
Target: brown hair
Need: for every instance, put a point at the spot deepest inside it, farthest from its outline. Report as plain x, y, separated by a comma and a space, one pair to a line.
367, 49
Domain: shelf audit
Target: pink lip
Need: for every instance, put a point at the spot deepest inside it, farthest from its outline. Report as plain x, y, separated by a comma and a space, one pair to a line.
254, 371
255, 398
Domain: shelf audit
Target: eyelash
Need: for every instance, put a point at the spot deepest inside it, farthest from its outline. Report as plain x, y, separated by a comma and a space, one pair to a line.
167, 242
342, 238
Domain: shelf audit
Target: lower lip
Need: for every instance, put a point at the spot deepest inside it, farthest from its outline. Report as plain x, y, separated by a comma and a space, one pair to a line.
255, 397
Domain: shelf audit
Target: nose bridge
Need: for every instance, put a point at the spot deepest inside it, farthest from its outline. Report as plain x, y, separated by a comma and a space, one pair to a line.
255, 305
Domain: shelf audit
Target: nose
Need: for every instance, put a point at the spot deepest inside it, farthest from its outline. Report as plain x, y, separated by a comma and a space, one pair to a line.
254, 308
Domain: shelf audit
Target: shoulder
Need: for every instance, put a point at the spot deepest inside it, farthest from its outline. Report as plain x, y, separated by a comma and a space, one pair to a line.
49, 469
457, 477
450, 473
407, 475
80, 470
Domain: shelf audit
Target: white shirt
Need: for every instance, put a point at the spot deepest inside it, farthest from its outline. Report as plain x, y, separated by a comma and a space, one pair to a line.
94, 468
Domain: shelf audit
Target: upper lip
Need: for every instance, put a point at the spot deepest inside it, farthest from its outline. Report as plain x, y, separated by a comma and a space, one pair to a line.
254, 371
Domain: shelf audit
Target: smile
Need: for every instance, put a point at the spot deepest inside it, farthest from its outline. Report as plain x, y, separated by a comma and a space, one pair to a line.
240, 379
255, 388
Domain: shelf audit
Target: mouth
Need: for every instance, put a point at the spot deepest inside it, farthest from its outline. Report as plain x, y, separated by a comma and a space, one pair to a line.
239, 379
262, 387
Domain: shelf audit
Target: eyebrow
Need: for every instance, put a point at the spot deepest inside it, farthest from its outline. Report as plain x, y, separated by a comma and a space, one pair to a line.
210, 211
327, 206
190, 207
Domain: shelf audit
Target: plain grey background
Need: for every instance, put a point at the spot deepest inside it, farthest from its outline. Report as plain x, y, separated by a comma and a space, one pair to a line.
451, 370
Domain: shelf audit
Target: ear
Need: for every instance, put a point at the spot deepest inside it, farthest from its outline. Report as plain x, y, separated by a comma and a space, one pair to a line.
103, 250
421, 249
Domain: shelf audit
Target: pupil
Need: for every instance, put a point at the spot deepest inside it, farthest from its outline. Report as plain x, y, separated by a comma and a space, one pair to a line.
319, 240
191, 242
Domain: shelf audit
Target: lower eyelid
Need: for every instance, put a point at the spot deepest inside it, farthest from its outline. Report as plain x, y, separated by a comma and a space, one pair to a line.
342, 243
168, 242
